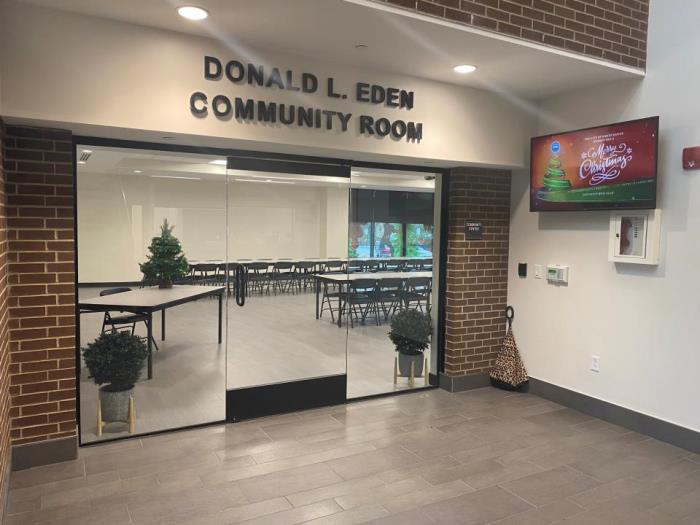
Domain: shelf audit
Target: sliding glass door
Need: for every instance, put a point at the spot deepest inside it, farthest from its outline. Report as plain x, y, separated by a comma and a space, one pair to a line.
287, 229
390, 293
163, 331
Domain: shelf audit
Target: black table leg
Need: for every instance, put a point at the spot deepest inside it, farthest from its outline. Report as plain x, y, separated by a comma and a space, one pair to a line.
221, 300
340, 305
318, 291
149, 327
162, 325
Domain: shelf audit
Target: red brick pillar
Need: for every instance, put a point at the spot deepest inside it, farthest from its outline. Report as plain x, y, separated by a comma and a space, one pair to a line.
38, 167
477, 276
4, 343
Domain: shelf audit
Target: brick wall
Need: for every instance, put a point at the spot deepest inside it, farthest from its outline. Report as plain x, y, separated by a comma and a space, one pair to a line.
39, 188
614, 30
4, 343
477, 271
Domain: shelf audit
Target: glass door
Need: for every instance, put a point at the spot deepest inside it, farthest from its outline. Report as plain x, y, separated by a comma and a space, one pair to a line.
392, 248
287, 228
152, 341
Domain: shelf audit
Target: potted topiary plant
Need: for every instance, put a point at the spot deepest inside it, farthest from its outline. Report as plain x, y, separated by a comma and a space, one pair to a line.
410, 333
167, 261
115, 360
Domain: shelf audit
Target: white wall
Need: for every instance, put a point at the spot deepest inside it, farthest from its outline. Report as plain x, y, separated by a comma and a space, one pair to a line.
119, 214
640, 321
70, 69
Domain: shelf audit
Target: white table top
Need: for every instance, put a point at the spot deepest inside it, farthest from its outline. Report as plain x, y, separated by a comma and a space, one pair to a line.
343, 277
313, 259
151, 297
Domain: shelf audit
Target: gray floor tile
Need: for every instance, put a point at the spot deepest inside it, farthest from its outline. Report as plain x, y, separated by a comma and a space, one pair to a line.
551, 485
483, 506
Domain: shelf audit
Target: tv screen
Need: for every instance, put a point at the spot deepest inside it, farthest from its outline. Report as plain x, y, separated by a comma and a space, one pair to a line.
608, 167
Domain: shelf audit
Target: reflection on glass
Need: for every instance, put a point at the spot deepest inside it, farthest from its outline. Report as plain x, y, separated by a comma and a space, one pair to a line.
419, 240
388, 239
123, 197
388, 302
360, 240
284, 229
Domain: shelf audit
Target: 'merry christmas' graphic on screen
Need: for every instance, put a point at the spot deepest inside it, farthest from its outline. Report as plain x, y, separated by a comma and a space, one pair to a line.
607, 167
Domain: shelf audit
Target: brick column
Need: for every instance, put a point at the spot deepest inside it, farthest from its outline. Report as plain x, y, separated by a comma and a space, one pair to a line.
477, 276
39, 186
4, 343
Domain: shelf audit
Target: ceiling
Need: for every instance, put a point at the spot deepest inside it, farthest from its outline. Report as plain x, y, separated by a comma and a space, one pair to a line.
397, 42
180, 167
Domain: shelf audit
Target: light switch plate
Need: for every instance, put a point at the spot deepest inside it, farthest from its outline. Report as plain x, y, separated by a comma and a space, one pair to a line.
539, 271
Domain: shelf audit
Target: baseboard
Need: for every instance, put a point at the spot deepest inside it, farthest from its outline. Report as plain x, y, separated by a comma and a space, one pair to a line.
462, 383
433, 379
642, 423
44, 452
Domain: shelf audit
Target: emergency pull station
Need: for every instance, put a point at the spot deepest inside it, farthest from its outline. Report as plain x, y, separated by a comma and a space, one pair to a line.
557, 274
634, 237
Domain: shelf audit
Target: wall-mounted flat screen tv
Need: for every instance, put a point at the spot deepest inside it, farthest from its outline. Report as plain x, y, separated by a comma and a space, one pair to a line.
602, 168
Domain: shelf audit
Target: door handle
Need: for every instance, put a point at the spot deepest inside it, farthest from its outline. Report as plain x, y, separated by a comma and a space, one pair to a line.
239, 285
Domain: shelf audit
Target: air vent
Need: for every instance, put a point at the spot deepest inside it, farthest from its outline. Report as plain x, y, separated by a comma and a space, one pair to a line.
84, 156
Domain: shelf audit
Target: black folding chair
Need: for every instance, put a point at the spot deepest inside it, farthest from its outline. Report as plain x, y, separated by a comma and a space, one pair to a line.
304, 275
205, 273
360, 300
257, 277
390, 296
283, 276
417, 293
115, 323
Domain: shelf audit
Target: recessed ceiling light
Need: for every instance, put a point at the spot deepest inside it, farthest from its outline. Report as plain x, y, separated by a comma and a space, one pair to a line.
137, 171
192, 12
218, 162
464, 69
81, 162
88, 151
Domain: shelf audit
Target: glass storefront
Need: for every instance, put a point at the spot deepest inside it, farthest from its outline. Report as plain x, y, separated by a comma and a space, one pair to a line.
295, 275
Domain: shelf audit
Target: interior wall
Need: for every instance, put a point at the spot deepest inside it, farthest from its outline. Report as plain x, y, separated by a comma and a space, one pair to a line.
119, 214
151, 73
639, 320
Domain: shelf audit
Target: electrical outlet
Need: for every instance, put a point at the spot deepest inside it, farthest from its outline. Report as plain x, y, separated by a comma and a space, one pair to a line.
595, 363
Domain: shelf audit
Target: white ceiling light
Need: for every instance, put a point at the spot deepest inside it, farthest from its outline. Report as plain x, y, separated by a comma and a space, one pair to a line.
137, 171
218, 162
463, 69
88, 151
192, 12
81, 162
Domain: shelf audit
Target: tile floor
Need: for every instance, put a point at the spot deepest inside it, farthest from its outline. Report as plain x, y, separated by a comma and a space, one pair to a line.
485, 456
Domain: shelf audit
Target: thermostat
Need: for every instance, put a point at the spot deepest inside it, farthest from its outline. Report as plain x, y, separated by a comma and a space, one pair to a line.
557, 274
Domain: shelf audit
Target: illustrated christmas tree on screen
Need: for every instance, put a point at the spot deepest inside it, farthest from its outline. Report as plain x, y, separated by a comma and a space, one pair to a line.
555, 176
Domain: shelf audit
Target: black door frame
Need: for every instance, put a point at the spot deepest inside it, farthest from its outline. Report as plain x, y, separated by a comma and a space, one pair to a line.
310, 389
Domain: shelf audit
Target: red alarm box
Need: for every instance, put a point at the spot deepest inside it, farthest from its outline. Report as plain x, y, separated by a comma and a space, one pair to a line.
691, 158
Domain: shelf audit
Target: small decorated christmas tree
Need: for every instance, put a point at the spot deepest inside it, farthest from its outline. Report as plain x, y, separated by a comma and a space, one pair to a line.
167, 261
